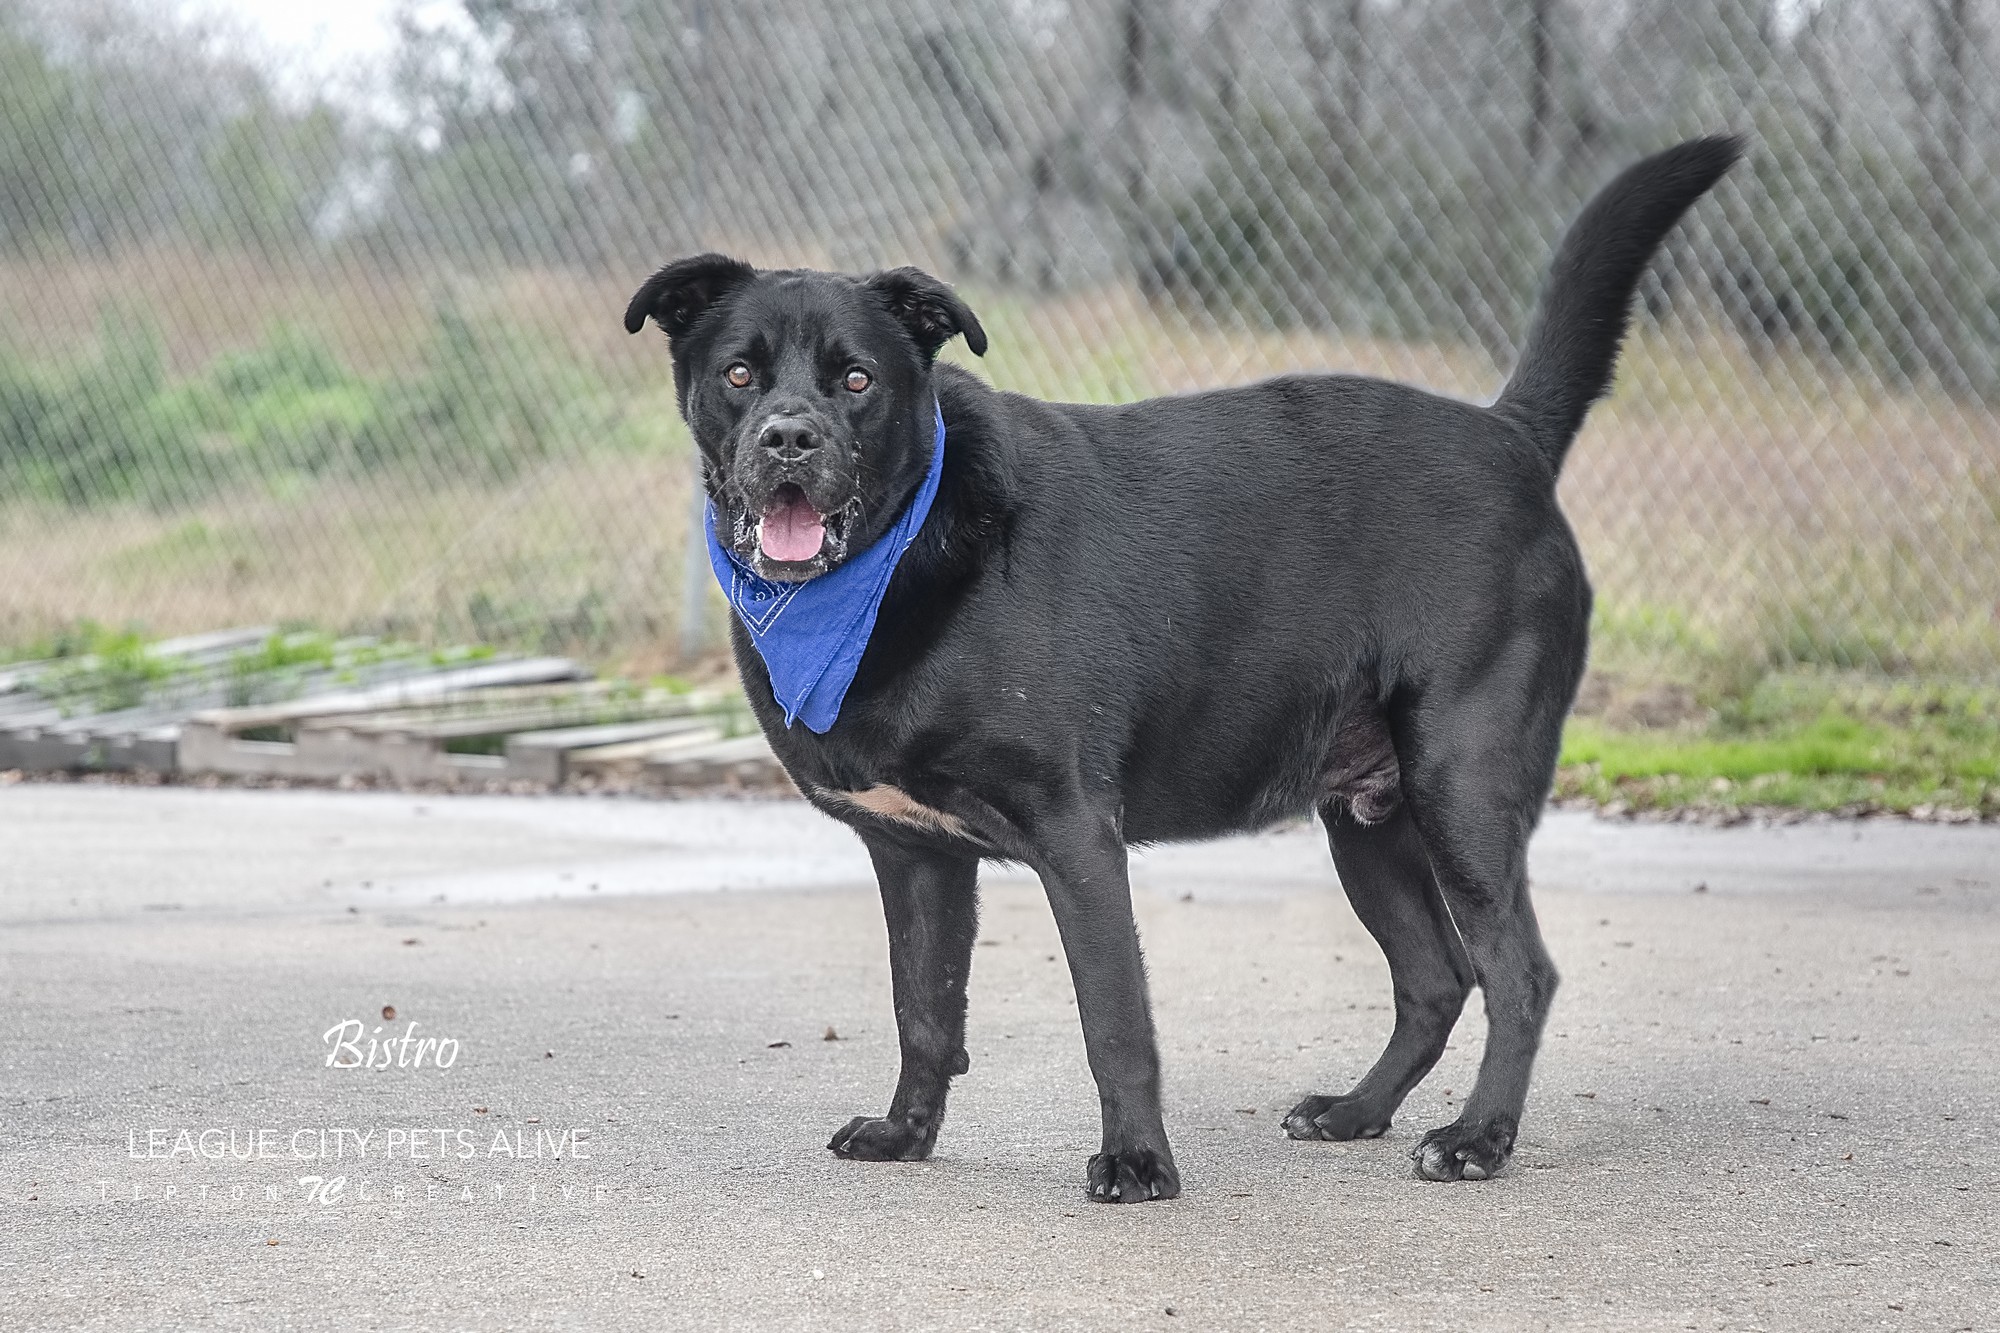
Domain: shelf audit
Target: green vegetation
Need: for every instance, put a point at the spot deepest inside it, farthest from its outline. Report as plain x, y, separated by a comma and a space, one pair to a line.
479, 403
281, 666
1806, 742
99, 668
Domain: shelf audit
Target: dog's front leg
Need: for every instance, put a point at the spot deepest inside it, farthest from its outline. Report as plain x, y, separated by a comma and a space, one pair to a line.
1085, 877
931, 901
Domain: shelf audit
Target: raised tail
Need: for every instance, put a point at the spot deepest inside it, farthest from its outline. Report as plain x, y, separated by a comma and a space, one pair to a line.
1580, 321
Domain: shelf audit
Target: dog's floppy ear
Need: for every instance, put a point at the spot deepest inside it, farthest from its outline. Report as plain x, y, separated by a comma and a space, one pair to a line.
681, 292
928, 308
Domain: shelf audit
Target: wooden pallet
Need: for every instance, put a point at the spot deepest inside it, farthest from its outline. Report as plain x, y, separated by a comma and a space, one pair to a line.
39, 734
558, 755
541, 721
324, 728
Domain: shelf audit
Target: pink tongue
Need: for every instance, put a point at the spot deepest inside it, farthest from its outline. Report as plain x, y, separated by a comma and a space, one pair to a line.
792, 531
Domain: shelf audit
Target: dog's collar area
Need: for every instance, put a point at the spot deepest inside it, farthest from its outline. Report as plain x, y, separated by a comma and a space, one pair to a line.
811, 634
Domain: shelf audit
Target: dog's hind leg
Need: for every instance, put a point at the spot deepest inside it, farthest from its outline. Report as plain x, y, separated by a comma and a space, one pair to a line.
1477, 762
930, 899
1387, 876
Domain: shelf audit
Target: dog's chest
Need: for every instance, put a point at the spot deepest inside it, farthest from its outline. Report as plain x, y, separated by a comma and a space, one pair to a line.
898, 807
861, 787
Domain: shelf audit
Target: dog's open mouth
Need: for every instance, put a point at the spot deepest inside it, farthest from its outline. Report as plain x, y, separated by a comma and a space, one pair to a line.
791, 535
791, 530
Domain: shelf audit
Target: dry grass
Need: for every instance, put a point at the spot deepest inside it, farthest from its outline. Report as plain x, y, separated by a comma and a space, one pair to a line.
372, 319
1737, 513
1777, 511
582, 555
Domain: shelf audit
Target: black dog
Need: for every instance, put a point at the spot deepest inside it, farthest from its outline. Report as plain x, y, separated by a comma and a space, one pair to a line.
1177, 619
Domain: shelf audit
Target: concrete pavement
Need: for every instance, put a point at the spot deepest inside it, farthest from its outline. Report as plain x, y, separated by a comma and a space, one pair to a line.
1765, 1104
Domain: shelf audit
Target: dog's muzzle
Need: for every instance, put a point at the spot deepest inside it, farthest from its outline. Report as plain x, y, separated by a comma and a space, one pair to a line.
795, 493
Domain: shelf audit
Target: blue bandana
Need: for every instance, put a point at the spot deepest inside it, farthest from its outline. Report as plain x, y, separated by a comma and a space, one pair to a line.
811, 635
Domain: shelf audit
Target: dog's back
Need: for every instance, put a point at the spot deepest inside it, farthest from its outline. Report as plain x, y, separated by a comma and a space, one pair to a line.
1323, 542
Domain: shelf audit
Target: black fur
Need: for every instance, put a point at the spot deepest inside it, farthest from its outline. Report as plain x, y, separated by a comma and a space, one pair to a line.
1179, 619
1572, 347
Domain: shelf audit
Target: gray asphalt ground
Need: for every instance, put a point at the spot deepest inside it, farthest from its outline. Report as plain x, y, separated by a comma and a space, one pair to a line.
1769, 1103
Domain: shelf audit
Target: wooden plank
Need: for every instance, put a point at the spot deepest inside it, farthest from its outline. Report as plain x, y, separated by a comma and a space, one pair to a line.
27, 719
45, 752
548, 756
413, 745
16, 675
155, 750
209, 741
214, 645
537, 708
743, 761
28, 710
423, 687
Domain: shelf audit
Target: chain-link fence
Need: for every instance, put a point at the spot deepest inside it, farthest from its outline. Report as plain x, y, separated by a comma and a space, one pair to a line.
346, 351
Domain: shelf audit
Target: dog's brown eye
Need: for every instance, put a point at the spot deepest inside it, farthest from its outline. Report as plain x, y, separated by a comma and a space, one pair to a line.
857, 380
738, 376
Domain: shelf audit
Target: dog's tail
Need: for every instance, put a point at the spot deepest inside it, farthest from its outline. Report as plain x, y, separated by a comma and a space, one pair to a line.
1572, 346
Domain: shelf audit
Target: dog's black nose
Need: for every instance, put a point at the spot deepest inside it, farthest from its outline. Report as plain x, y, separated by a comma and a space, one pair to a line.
789, 437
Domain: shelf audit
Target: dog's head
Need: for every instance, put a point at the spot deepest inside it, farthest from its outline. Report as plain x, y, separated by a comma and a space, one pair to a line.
809, 395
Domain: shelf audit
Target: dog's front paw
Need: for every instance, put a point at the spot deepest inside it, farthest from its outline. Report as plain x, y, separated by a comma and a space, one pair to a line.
1337, 1119
864, 1139
1133, 1176
1466, 1151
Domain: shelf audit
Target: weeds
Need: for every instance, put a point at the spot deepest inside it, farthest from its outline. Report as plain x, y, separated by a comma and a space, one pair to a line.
1808, 741
112, 426
100, 670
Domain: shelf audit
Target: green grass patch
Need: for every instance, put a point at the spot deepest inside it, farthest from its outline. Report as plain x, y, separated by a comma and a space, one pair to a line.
280, 667
93, 668
99, 669
1804, 743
